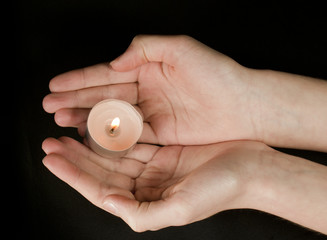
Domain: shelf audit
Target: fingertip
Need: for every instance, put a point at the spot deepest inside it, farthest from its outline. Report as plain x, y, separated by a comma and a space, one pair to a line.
51, 145
48, 160
55, 101
67, 81
132, 58
60, 167
131, 211
52, 84
46, 145
56, 83
44, 161
111, 207
61, 118
46, 104
117, 204
120, 66
113, 63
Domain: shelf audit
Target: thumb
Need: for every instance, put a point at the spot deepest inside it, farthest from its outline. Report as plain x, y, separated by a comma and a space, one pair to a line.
151, 48
143, 216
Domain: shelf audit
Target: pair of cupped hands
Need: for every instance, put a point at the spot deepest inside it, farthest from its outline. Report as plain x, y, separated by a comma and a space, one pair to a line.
203, 147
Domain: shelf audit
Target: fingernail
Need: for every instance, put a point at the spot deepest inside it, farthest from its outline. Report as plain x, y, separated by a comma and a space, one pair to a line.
110, 207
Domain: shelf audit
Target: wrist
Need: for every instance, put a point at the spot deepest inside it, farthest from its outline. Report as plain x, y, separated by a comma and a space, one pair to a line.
288, 110
292, 188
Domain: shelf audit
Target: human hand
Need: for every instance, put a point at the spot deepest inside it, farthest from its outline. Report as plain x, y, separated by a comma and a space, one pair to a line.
190, 94
155, 187
161, 75
187, 92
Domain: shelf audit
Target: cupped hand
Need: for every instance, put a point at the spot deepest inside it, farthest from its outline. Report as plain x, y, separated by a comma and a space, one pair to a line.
188, 93
154, 187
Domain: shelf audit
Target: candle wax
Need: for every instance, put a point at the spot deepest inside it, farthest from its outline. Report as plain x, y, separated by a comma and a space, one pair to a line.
99, 126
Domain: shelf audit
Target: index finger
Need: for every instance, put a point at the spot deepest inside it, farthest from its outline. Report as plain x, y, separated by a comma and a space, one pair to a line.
96, 75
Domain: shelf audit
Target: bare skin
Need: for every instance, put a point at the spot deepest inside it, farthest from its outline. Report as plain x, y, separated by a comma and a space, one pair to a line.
155, 187
191, 95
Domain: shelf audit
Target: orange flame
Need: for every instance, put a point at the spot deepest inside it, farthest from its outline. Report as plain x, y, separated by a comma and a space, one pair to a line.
115, 123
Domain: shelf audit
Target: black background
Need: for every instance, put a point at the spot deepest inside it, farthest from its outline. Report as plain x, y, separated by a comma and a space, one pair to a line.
52, 37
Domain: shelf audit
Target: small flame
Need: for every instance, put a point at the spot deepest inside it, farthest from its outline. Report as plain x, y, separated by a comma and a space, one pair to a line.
115, 123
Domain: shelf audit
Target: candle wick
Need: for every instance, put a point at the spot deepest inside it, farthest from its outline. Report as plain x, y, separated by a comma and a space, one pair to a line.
112, 130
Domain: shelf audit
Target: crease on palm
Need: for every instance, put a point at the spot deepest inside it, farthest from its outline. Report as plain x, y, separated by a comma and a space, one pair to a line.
150, 179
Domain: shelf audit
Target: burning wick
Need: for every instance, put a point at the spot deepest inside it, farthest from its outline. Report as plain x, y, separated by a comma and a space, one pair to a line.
114, 126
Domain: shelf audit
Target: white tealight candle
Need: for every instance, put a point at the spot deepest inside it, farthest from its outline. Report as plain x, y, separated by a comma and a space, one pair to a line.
113, 128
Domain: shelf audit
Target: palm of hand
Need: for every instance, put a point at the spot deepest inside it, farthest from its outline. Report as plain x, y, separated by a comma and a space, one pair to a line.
147, 177
147, 170
180, 105
171, 108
